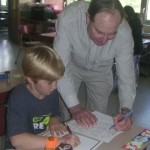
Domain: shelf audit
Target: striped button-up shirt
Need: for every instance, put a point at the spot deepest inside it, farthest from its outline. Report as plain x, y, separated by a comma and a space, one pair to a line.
74, 46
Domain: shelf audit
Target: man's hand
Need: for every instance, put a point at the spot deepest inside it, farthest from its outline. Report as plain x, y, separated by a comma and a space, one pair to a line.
83, 117
124, 125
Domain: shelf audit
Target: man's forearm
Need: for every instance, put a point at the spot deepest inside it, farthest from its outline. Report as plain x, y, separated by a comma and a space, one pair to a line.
75, 108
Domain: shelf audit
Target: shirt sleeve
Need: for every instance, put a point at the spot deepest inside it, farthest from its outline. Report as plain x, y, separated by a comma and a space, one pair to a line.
126, 74
63, 46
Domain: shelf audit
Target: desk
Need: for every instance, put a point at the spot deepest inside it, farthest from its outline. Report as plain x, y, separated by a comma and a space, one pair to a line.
3, 14
146, 42
146, 35
16, 78
47, 38
3, 18
120, 140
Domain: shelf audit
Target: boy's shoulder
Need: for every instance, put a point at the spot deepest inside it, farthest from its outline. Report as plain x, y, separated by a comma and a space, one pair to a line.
19, 88
18, 91
17, 95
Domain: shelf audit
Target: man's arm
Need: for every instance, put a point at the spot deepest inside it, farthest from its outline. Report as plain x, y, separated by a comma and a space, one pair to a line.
126, 75
63, 46
126, 81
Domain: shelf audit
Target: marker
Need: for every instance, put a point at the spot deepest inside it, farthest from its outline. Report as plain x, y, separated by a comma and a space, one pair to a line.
68, 129
121, 119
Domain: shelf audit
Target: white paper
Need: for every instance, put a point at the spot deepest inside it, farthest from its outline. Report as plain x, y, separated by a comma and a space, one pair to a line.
87, 143
99, 132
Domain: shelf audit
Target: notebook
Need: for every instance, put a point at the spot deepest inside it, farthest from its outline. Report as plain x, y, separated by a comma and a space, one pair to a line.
100, 131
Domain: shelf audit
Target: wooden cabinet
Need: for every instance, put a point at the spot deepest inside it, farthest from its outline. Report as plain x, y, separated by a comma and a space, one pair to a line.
13, 19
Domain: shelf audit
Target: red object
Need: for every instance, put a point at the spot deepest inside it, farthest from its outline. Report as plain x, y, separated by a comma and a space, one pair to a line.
3, 97
26, 29
3, 110
56, 7
2, 120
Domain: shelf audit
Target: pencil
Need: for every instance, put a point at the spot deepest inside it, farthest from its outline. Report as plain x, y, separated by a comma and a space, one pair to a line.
68, 129
124, 117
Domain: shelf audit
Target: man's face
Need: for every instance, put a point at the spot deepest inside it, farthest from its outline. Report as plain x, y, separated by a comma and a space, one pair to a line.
104, 27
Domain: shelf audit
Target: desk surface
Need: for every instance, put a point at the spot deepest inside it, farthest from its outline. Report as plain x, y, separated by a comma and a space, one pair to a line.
3, 12
49, 34
16, 78
120, 140
146, 41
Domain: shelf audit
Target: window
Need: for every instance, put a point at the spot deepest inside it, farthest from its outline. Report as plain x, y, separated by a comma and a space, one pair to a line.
145, 11
136, 4
70, 1
3, 2
148, 10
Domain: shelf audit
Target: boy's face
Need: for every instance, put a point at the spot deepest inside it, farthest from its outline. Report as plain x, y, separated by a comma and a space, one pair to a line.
43, 87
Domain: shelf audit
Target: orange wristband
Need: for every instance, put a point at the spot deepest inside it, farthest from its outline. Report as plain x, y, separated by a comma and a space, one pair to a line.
51, 143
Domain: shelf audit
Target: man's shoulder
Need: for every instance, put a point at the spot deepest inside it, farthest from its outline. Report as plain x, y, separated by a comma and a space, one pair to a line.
124, 30
75, 9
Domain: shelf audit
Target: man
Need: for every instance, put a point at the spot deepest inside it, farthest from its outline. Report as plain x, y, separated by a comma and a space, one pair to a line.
89, 38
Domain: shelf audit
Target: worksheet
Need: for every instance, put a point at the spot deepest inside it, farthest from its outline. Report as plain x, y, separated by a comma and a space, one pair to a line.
100, 131
86, 143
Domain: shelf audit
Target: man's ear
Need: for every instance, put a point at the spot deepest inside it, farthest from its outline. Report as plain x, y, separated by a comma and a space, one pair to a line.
87, 18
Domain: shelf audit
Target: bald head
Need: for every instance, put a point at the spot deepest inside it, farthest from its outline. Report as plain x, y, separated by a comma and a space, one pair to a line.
104, 27
107, 22
98, 6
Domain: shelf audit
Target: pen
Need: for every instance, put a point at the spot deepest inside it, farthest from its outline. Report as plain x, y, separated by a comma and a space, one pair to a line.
121, 119
68, 129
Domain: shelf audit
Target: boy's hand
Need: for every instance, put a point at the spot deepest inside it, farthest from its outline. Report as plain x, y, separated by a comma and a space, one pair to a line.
70, 139
55, 126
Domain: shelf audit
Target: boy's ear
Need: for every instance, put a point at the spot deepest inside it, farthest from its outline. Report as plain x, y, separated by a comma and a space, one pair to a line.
29, 79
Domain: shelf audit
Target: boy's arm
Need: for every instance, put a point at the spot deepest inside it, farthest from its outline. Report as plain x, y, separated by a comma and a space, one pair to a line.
28, 141
31, 141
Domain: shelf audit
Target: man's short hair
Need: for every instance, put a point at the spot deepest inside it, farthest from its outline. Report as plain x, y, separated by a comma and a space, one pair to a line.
42, 63
97, 6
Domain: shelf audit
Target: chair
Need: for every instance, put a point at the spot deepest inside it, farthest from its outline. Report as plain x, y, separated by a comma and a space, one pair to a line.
25, 39
3, 109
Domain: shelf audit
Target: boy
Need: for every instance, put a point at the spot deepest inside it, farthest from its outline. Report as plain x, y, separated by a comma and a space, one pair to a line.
33, 107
